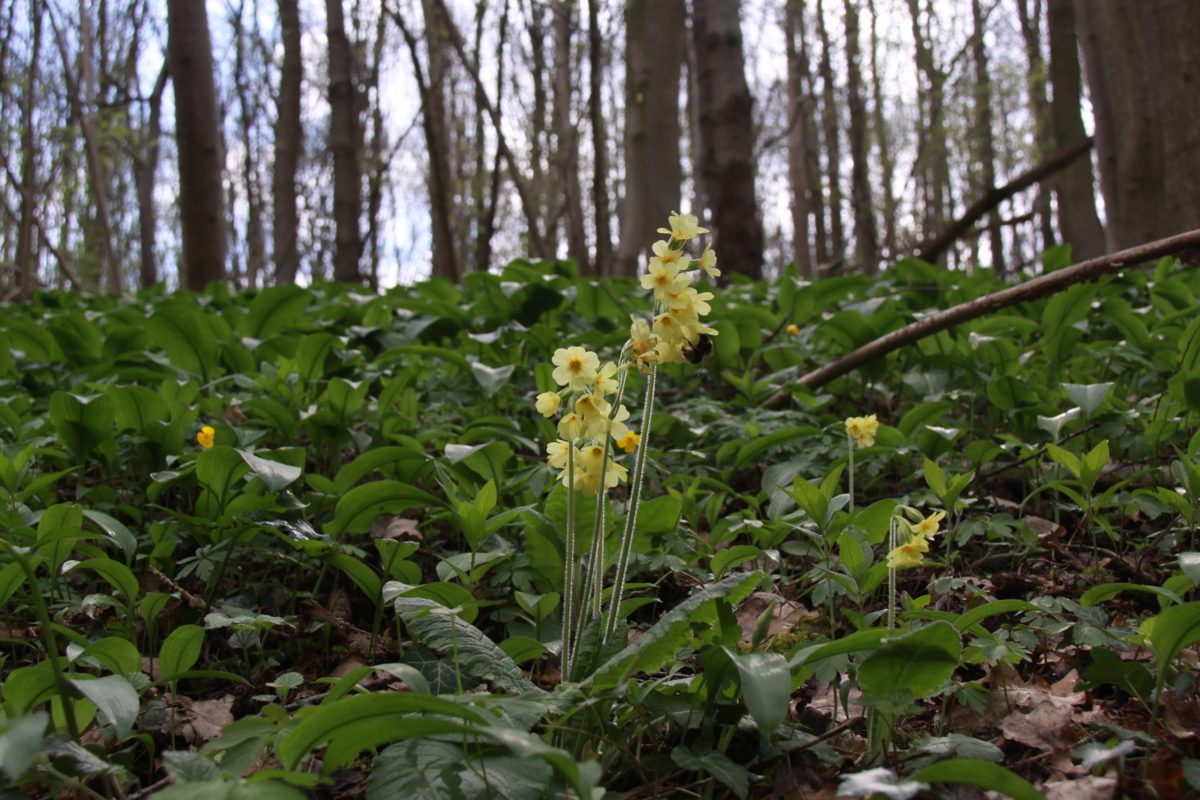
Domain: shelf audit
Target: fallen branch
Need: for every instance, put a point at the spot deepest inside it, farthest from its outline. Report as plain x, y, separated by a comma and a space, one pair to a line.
1042, 286
931, 250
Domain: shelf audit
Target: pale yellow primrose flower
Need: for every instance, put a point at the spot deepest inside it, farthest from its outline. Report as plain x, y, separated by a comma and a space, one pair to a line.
616, 474
908, 555
862, 429
576, 367
707, 262
548, 403
793, 329
571, 427
668, 329
557, 454
205, 437
589, 406
606, 383
665, 255
928, 526
659, 274
683, 226
591, 458
616, 426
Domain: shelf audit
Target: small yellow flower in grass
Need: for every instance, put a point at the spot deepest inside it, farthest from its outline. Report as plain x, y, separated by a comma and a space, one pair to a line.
908, 555
928, 526
793, 330
862, 430
576, 367
629, 442
548, 403
683, 226
205, 437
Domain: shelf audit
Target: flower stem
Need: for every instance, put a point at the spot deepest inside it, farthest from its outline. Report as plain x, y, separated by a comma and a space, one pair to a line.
570, 569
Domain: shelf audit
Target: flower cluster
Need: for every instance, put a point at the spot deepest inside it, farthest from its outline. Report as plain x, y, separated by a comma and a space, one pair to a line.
589, 423
677, 330
911, 553
862, 430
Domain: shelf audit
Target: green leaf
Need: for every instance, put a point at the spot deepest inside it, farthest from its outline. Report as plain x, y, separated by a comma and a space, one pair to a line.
919, 661
1066, 459
521, 648
362, 575
181, 650
763, 443
274, 308
218, 467
474, 652
985, 775
717, 764
956, 745
427, 769
492, 379
83, 423
119, 656
936, 478
230, 790
187, 767
137, 408
113, 695
184, 332
673, 630
275, 476
1098, 594
114, 529
1174, 629
1087, 396
117, 574
732, 557
766, 687
20, 741
359, 507
311, 355
982, 612
444, 594
1131, 677
1190, 564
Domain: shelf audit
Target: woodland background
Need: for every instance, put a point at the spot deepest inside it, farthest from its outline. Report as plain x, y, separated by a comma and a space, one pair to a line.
380, 141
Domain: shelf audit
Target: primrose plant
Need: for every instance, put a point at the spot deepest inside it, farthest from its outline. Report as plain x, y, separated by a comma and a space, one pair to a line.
592, 425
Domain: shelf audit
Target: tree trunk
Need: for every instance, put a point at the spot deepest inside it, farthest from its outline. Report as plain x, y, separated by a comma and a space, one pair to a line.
984, 141
798, 180
198, 133
289, 143
1078, 222
602, 263
437, 138
833, 151
145, 171
866, 232
256, 254
1128, 121
933, 152
1173, 35
567, 149
1030, 20
887, 162
343, 142
26, 263
653, 170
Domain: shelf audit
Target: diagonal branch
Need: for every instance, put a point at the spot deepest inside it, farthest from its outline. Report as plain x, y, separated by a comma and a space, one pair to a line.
1042, 286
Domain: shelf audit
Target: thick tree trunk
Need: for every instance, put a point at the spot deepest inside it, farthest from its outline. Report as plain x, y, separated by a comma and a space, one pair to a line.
831, 124
727, 130
602, 263
1173, 39
1075, 187
866, 231
654, 50
567, 149
289, 143
198, 133
798, 180
1128, 121
343, 142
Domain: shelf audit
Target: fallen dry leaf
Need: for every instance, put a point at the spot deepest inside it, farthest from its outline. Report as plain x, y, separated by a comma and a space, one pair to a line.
784, 617
198, 722
1088, 788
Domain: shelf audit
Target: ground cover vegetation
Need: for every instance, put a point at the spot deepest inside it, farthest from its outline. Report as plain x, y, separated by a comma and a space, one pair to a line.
306, 542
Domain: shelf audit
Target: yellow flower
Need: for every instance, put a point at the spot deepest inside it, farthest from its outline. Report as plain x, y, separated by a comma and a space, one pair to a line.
205, 437
683, 226
862, 429
605, 381
571, 427
576, 367
707, 261
629, 442
908, 555
616, 474
591, 458
668, 329
664, 253
659, 275
928, 526
548, 403
793, 330
557, 454
589, 407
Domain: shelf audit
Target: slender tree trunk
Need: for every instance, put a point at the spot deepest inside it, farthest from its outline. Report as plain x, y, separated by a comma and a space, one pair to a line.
539, 130
602, 263
653, 172
798, 179
487, 222
831, 123
1173, 36
378, 150
812, 144
1030, 20
343, 142
1078, 221
437, 139
26, 263
887, 162
567, 149
984, 137
727, 131
866, 231
145, 170
256, 255
1129, 145
198, 133
933, 153
289, 143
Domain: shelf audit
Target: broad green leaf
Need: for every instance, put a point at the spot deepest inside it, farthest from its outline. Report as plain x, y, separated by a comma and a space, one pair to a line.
1190, 564
935, 476
20, 741
181, 650
184, 332
1174, 629
187, 767
1087, 396
362, 575
1131, 677
717, 764
521, 648
275, 476
868, 639
1054, 425
113, 695
734, 556
763, 443
274, 308
114, 529
83, 423
476, 654
983, 774
492, 379
1066, 459
956, 745
312, 353
919, 661
1098, 594
119, 656
425, 769
982, 612
218, 468
117, 574
766, 687
138, 408
359, 507
230, 790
